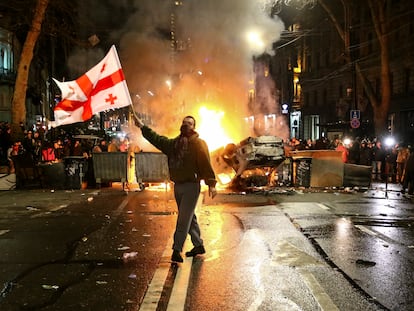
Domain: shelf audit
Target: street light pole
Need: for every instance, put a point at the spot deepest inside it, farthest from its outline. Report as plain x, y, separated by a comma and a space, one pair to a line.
350, 56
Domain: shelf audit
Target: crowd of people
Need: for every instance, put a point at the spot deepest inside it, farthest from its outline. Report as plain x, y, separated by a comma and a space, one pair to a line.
38, 148
393, 163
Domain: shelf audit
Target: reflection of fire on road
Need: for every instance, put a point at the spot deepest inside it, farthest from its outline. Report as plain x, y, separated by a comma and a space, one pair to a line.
250, 163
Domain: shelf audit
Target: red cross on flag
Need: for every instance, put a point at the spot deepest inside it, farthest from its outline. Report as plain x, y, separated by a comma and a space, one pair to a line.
103, 87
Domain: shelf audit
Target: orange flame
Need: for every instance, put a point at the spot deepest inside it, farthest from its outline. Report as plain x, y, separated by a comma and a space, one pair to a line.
211, 129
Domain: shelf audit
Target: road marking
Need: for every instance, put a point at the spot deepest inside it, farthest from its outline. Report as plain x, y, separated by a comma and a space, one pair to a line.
323, 206
180, 287
55, 209
290, 255
366, 230
153, 294
121, 206
321, 297
4, 231
287, 254
181, 281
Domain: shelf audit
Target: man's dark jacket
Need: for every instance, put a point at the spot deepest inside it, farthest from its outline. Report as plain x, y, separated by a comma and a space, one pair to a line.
195, 165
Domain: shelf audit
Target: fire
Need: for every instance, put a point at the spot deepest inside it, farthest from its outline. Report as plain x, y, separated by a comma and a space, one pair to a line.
224, 179
211, 129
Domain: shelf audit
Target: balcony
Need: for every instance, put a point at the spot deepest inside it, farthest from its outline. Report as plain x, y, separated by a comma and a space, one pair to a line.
7, 76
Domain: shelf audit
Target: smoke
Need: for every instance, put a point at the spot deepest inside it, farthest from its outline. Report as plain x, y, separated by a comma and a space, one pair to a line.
210, 63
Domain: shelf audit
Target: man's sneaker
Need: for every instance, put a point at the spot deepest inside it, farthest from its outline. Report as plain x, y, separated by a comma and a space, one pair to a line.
176, 257
198, 250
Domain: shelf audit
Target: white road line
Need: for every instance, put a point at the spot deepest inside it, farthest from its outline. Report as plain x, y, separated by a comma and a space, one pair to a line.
323, 206
55, 209
182, 279
153, 294
366, 230
322, 298
4, 231
121, 206
179, 290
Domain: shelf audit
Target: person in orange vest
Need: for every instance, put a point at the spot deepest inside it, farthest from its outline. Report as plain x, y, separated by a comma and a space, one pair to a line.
402, 157
344, 151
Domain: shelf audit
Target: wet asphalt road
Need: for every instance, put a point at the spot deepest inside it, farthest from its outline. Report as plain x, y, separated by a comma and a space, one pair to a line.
66, 257
331, 250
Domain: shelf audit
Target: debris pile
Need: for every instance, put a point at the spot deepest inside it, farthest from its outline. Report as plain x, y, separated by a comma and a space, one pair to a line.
252, 162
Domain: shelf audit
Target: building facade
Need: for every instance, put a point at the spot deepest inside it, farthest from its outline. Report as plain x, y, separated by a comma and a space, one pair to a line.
7, 72
317, 70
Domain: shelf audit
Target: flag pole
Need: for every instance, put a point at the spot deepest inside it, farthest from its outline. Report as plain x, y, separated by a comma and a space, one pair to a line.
138, 120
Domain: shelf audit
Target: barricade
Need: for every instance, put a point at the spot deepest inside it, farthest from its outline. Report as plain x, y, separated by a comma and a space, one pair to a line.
357, 175
317, 168
28, 174
110, 167
151, 167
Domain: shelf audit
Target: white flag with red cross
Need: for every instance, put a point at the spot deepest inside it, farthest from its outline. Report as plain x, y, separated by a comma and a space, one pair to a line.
103, 87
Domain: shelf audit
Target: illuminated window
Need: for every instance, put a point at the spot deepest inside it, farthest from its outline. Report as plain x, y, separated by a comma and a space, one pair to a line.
6, 55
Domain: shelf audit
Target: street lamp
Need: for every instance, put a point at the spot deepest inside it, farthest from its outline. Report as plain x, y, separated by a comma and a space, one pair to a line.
255, 40
168, 82
389, 141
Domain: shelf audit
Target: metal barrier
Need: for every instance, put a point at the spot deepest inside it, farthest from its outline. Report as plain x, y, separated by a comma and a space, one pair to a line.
28, 174
151, 167
110, 166
53, 175
357, 175
317, 168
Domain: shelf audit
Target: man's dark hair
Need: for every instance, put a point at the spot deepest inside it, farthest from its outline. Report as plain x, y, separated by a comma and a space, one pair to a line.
191, 117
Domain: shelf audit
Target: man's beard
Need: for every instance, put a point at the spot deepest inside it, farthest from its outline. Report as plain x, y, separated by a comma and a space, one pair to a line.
186, 130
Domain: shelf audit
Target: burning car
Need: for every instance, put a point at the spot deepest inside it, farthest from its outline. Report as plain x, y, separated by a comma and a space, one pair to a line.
250, 163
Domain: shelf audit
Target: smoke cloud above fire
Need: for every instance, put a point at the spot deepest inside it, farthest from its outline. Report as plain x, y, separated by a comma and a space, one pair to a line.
209, 63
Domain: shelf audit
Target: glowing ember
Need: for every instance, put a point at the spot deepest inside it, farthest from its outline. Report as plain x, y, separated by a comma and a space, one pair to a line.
224, 178
158, 187
211, 129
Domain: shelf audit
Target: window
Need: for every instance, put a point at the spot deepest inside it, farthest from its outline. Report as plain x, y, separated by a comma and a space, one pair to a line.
324, 97
6, 52
407, 78
317, 60
309, 63
340, 91
315, 98
2, 99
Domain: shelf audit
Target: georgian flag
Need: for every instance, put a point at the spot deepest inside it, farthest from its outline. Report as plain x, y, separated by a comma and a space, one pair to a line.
103, 87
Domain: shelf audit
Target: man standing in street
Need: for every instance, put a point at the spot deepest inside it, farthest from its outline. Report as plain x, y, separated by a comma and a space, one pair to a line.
188, 163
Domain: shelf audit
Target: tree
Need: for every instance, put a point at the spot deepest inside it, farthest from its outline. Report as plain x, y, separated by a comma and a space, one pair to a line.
380, 102
19, 96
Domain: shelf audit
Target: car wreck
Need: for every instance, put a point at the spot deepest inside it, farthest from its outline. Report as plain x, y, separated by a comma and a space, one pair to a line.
265, 161
252, 162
